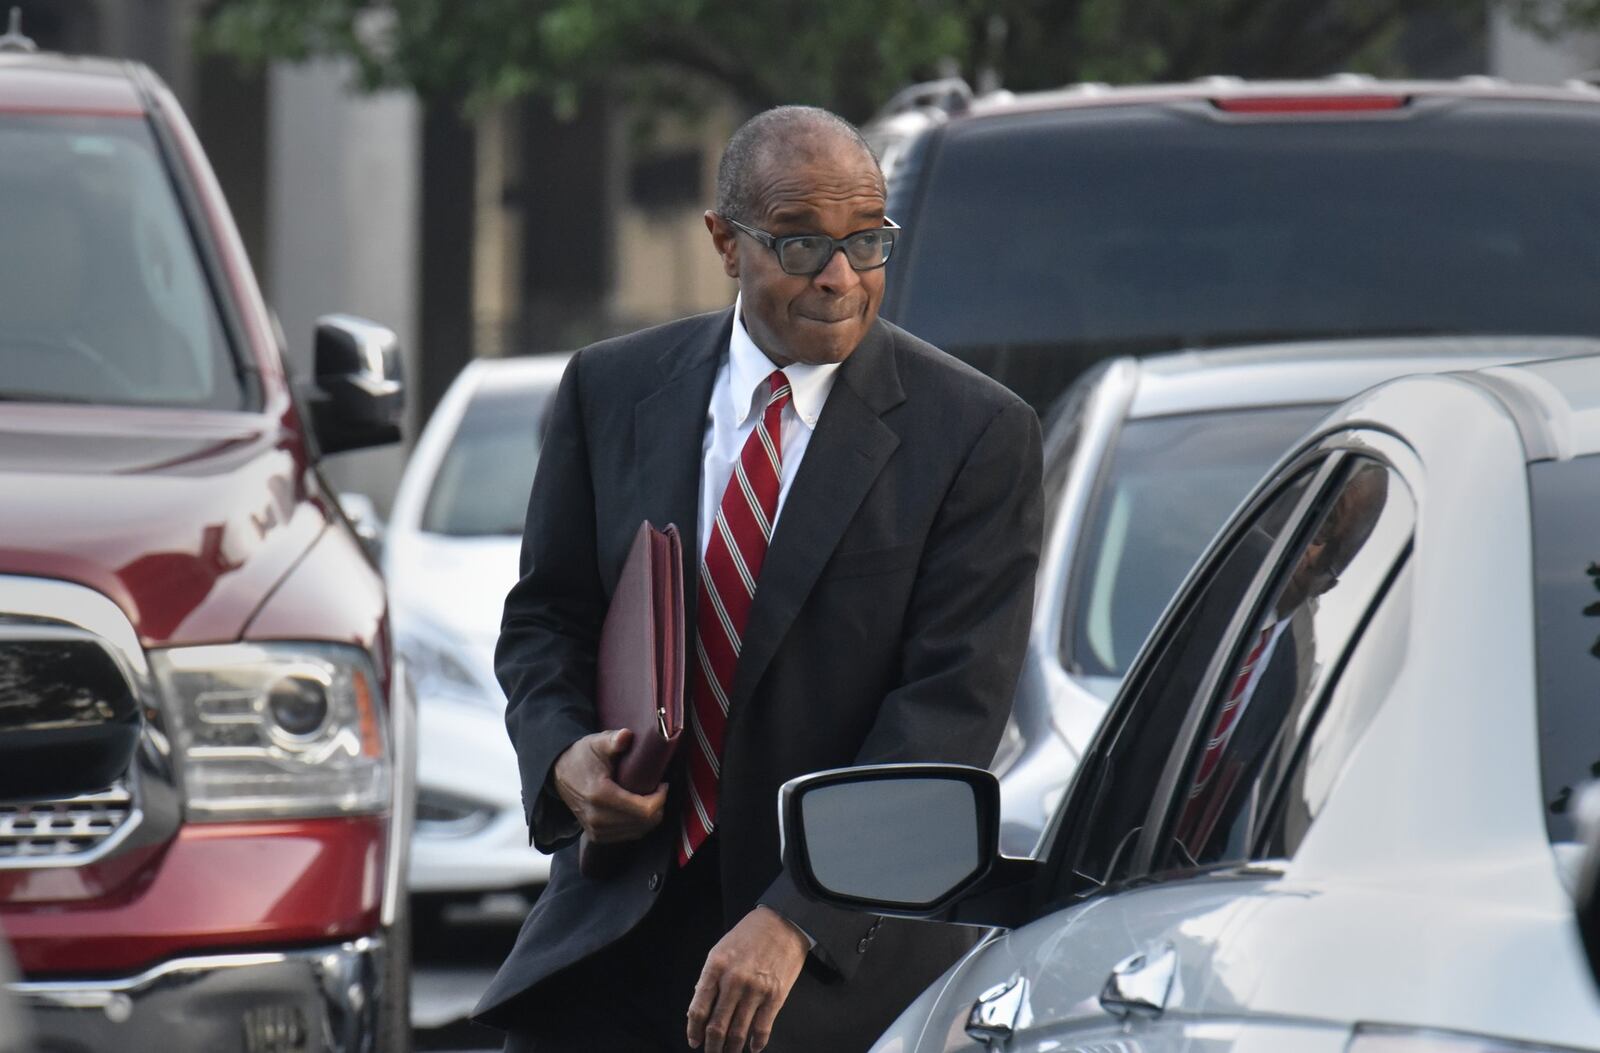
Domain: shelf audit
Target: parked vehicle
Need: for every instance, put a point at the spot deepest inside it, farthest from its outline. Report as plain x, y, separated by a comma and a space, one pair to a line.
1332, 806
450, 554
1093, 221
1145, 458
169, 549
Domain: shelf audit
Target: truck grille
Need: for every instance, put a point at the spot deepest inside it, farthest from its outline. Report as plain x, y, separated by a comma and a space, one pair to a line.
62, 829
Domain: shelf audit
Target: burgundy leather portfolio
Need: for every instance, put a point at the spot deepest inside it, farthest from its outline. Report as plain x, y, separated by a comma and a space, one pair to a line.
639, 679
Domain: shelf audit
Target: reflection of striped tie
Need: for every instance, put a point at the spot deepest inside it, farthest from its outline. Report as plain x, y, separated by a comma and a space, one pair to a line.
728, 575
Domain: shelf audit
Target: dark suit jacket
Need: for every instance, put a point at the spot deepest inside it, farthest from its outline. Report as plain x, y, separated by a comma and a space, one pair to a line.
888, 625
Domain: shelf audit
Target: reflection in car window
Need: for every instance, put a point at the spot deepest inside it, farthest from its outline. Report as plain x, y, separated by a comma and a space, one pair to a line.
1170, 485
1265, 701
102, 296
1114, 792
1566, 563
1352, 703
482, 484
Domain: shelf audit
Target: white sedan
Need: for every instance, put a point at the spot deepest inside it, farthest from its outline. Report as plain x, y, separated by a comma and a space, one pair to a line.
1331, 809
450, 556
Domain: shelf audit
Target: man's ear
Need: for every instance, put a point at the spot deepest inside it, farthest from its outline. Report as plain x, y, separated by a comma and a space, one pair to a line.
726, 240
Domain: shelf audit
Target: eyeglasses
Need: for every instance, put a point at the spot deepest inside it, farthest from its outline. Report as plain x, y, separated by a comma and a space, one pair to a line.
805, 255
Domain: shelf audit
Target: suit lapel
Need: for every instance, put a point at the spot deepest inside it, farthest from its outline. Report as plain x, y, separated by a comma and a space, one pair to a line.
669, 432
847, 451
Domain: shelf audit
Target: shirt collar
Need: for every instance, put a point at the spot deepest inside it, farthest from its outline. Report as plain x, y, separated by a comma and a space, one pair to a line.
749, 368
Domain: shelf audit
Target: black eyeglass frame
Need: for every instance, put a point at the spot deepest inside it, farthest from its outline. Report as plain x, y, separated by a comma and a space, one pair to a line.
776, 242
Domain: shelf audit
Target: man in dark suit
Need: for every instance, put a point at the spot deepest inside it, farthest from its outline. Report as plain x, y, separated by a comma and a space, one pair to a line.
862, 520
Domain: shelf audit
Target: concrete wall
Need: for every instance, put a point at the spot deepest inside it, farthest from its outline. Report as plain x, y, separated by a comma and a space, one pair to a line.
342, 226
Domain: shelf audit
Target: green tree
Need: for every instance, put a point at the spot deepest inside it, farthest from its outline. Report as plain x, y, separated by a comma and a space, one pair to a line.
845, 54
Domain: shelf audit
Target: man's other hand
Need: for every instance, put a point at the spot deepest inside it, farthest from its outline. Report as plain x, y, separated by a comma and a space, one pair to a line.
607, 812
746, 980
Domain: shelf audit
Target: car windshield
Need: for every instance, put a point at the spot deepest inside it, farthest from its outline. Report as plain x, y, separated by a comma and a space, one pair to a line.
1566, 565
1145, 228
1170, 485
481, 487
102, 295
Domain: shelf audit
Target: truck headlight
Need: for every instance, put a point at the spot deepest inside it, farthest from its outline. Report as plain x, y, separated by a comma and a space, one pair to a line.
276, 730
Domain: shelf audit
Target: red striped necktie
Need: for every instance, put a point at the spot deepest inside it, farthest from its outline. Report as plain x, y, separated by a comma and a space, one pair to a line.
728, 575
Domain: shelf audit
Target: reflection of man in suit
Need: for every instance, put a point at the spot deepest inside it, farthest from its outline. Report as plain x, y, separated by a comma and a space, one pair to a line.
1276, 671
868, 523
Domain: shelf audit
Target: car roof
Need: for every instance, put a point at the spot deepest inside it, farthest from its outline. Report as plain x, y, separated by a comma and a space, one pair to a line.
1222, 89
47, 83
1320, 372
1556, 404
495, 373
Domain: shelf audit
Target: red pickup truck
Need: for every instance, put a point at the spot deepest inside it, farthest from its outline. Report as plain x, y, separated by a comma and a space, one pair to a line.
206, 744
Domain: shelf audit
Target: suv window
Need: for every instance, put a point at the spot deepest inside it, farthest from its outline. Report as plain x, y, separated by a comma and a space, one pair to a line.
1566, 567
102, 295
1118, 782
1170, 485
1146, 228
1325, 588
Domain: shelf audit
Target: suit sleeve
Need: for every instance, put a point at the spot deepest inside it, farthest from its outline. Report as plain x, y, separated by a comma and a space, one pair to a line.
965, 634
550, 631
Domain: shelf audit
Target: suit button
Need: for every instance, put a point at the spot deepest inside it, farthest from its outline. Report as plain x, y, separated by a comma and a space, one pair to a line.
655, 882
861, 948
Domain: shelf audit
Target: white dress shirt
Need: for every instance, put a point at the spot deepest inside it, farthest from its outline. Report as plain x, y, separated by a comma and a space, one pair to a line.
738, 402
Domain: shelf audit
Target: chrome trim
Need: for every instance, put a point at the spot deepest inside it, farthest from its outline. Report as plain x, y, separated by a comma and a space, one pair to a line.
47, 600
122, 791
319, 1000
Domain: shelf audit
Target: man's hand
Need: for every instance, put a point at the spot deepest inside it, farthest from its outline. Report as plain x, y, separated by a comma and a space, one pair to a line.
606, 811
746, 979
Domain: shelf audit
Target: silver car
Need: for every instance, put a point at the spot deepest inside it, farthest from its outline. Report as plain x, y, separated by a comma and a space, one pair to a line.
1332, 806
1144, 460
450, 556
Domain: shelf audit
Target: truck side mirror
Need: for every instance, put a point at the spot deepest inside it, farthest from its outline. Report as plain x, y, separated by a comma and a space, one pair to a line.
359, 397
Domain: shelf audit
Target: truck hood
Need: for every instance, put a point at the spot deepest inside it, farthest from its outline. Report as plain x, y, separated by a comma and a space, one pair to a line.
185, 519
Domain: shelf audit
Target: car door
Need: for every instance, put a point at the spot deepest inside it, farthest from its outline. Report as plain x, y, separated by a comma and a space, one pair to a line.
1187, 787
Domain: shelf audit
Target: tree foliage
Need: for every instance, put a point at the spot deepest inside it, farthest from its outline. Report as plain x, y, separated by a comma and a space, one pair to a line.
845, 54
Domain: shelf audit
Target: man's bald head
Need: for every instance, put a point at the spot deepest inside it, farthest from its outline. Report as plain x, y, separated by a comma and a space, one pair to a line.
783, 136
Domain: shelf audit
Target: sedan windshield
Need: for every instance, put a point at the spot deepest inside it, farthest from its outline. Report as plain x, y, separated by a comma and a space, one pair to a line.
102, 295
482, 484
1170, 486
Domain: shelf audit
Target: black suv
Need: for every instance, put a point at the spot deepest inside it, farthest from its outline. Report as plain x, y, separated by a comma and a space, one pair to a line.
1047, 231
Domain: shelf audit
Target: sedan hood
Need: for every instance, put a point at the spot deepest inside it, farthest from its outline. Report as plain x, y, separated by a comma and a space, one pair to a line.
185, 519
457, 583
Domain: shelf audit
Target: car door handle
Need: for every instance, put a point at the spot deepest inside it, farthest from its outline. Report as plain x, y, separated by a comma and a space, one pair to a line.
994, 1015
1140, 984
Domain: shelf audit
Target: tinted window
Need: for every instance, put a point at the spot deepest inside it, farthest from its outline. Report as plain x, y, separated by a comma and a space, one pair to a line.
483, 480
1170, 485
1114, 792
1142, 228
102, 296
1267, 700
1566, 563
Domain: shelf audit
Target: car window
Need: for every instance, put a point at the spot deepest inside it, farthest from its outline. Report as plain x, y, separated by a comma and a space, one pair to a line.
1566, 566
1112, 796
1352, 703
102, 295
481, 487
1108, 231
1170, 485
1264, 705
1063, 431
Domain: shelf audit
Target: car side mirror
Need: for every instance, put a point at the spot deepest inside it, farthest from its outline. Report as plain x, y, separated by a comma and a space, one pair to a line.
908, 840
359, 398
1588, 891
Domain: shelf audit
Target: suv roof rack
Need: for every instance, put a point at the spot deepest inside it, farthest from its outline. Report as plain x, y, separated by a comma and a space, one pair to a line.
12, 39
